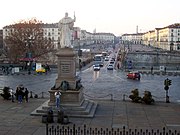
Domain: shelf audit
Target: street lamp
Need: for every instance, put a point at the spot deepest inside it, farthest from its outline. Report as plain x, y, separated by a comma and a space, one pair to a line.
29, 54
79, 54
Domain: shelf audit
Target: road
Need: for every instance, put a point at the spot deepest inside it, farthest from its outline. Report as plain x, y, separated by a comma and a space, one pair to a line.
101, 84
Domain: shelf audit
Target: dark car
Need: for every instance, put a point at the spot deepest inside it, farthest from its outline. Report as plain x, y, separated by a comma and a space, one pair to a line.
134, 75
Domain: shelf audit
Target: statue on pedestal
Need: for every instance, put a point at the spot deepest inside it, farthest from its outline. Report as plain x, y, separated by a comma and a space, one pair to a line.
67, 82
66, 25
71, 98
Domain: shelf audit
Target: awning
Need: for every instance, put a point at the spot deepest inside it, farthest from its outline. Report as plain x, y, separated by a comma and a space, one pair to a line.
27, 59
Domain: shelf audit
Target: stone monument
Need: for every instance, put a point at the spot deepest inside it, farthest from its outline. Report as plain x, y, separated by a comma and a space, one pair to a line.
72, 100
66, 67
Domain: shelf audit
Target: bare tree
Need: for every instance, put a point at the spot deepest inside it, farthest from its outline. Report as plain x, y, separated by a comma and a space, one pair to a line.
26, 37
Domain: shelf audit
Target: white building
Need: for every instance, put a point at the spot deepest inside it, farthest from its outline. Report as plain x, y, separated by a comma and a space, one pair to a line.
166, 38
132, 38
52, 32
104, 37
82, 37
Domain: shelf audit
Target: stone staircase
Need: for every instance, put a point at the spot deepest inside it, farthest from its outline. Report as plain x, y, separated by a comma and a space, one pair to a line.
86, 109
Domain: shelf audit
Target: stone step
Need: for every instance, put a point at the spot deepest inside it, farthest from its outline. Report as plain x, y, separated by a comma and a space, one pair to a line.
69, 110
76, 107
86, 109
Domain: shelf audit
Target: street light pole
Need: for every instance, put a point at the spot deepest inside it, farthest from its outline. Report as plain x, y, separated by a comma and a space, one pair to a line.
79, 53
29, 63
29, 55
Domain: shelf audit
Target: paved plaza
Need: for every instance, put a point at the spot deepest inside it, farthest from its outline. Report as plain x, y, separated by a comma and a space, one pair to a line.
15, 118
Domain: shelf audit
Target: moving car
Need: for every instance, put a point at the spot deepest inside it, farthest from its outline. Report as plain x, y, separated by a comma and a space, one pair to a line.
134, 75
110, 67
106, 58
111, 62
96, 67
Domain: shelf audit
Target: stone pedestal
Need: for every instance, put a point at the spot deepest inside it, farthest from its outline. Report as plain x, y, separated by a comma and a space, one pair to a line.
67, 97
66, 72
66, 68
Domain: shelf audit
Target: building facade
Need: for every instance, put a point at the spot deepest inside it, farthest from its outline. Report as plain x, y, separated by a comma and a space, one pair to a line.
166, 38
79, 37
132, 38
1, 39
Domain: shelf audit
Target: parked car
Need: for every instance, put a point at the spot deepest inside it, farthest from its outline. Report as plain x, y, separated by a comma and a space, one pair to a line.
110, 67
134, 75
96, 67
41, 70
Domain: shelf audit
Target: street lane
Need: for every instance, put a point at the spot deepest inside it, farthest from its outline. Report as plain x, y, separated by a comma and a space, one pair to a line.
116, 83
101, 84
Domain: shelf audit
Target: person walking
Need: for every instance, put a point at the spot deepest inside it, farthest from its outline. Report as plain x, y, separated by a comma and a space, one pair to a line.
12, 94
19, 93
20, 97
151, 69
57, 96
26, 94
165, 70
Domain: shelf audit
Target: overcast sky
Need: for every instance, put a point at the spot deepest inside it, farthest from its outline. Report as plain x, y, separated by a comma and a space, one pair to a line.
114, 16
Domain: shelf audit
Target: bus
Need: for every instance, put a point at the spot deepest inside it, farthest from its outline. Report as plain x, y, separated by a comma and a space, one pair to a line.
98, 59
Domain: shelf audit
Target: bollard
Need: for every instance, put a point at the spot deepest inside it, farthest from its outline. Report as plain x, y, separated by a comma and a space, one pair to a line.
50, 118
124, 97
42, 95
111, 97
44, 118
60, 118
35, 96
66, 119
31, 94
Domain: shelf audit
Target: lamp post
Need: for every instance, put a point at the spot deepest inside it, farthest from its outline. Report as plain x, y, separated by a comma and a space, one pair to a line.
29, 54
79, 54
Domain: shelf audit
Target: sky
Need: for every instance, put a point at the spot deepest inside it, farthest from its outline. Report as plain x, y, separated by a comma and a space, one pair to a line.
111, 16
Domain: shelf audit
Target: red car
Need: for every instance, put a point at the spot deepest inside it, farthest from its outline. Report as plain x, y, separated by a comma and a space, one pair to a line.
134, 75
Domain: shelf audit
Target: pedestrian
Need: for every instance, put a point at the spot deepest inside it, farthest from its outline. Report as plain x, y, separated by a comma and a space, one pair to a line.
57, 96
165, 70
151, 69
26, 94
20, 93
12, 94
118, 66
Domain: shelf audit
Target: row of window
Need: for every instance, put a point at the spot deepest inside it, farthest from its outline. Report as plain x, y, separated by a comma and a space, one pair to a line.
172, 30
173, 34
49, 33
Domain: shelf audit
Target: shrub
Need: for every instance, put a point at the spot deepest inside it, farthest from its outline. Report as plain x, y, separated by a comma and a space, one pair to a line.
147, 98
135, 96
6, 93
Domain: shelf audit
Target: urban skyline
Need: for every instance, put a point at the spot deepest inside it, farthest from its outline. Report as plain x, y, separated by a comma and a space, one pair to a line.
116, 16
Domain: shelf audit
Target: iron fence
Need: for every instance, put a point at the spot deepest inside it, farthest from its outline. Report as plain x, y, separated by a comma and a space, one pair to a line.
73, 130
